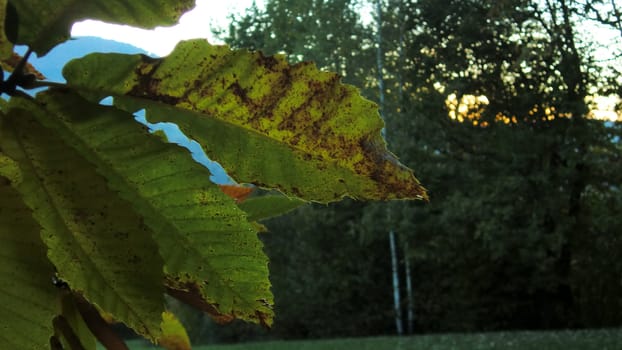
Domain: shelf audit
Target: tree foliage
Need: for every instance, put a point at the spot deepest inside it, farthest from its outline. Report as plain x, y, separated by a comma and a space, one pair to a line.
524, 184
100, 218
513, 178
326, 32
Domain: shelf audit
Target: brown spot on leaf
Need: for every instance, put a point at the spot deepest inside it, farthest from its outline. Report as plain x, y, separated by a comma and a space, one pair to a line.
241, 93
263, 319
11, 63
148, 85
269, 62
382, 168
237, 192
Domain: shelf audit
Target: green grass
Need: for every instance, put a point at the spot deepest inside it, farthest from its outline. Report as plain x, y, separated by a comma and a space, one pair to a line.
561, 340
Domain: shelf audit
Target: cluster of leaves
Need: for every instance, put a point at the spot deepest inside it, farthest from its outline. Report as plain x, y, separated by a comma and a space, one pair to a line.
99, 218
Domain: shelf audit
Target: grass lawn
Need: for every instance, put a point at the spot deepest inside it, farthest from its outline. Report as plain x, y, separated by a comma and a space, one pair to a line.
561, 340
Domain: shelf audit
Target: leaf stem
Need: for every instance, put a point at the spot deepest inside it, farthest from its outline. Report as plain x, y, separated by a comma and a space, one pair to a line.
44, 83
98, 326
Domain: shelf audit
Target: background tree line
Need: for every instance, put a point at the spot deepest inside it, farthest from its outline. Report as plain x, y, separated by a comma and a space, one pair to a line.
490, 102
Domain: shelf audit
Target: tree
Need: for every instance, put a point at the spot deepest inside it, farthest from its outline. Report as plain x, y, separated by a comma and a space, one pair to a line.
606, 15
116, 217
327, 32
489, 100
326, 282
509, 175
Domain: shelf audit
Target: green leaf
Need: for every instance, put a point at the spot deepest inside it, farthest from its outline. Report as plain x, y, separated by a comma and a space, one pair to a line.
207, 243
99, 246
268, 123
6, 47
28, 299
43, 24
265, 207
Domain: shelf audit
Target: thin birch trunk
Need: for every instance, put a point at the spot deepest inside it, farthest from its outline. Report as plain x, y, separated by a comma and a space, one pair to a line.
410, 313
380, 63
396, 285
381, 104
410, 317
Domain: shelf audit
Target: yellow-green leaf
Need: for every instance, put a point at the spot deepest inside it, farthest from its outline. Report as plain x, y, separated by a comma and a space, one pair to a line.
207, 244
269, 123
174, 335
98, 245
43, 24
28, 299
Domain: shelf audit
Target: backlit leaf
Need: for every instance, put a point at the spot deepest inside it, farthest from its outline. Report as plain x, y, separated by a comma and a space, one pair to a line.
265, 207
43, 24
269, 123
28, 299
174, 335
99, 246
208, 246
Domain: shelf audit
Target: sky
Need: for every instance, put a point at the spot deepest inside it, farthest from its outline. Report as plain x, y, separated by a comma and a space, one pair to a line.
197, 23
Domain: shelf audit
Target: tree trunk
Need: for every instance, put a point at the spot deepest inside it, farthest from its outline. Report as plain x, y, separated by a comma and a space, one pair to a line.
381, 105
396, 285
380, 63
410, 318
